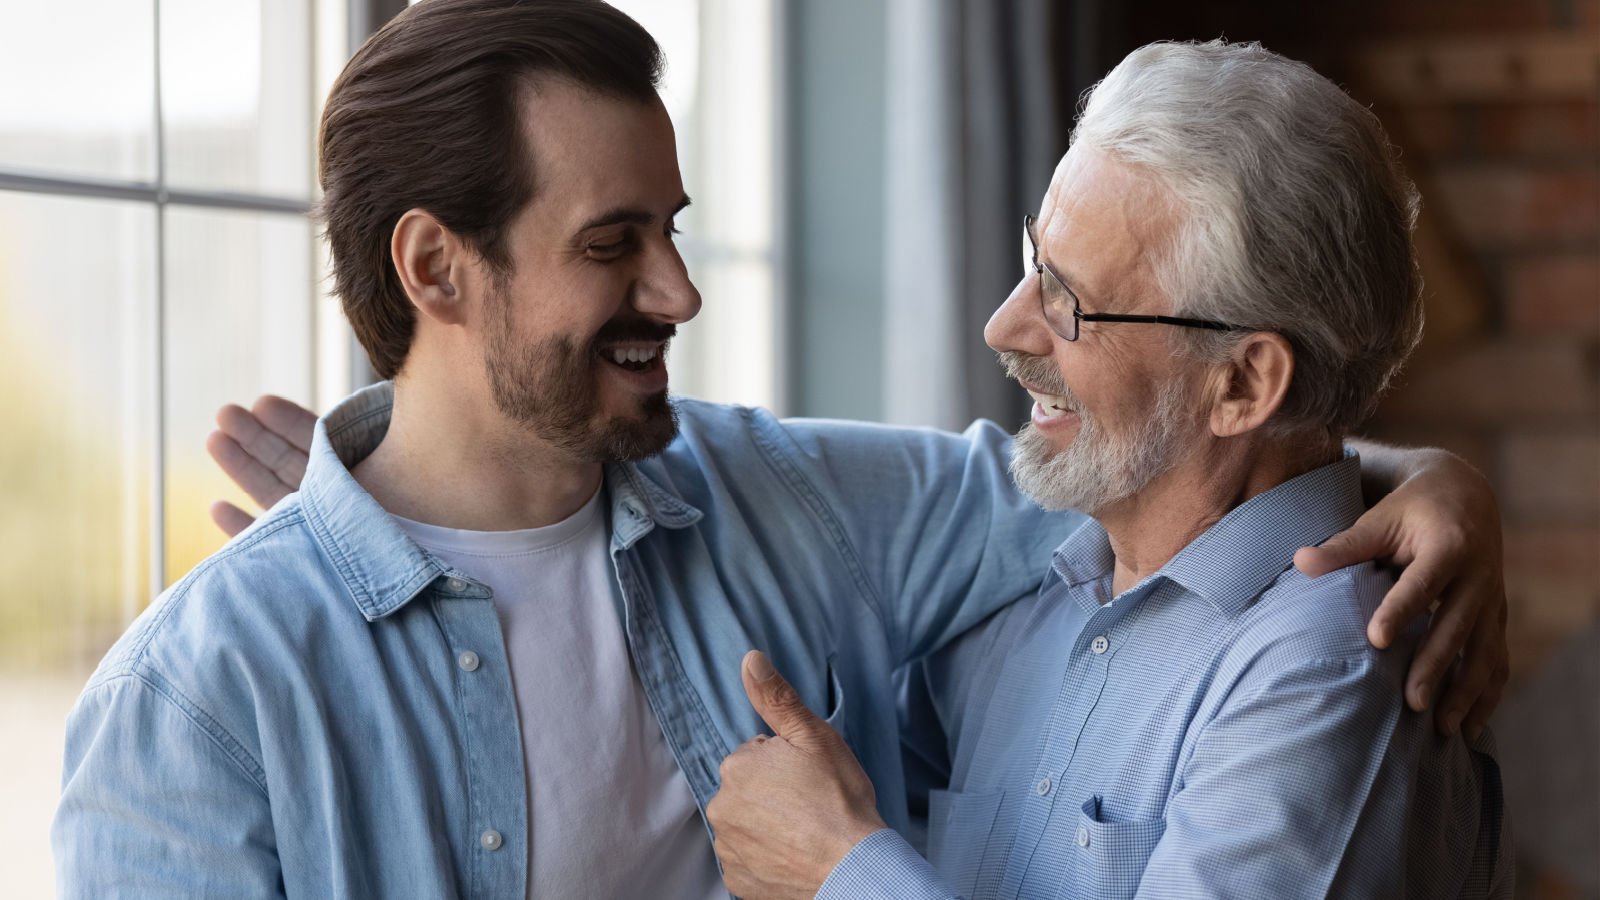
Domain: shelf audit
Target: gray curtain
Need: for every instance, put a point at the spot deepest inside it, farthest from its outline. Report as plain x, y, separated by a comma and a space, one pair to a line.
976, 122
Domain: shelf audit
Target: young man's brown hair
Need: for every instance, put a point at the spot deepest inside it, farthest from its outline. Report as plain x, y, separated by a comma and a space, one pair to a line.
427, 115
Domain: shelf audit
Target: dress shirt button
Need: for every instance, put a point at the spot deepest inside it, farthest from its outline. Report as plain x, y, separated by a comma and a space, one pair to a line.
1043, 787
491, 840
1083, 836
456, 584
468, 661
1100, 645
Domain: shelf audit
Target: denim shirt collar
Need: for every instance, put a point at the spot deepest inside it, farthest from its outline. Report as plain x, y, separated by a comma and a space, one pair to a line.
1233, 561
381, 567
639, 503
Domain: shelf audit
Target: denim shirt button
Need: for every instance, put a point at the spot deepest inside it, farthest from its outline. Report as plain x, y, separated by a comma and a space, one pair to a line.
491, 840
468, 661
456, 584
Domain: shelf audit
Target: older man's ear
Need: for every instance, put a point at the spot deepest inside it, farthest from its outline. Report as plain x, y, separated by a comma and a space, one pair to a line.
1251, 385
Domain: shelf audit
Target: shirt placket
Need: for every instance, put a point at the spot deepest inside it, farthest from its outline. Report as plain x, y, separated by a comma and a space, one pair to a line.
691, 735
1079, 692
496, 833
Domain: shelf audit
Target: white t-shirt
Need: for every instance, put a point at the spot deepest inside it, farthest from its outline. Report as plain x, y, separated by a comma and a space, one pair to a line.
610, 814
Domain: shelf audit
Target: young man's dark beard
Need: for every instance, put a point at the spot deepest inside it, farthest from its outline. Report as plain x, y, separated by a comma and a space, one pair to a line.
552, 388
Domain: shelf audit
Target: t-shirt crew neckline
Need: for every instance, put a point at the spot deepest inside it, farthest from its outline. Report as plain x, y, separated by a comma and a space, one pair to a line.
505, 543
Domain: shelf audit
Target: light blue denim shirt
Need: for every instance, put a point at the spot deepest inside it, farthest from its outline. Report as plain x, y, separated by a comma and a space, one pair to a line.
294, 716
1221, 729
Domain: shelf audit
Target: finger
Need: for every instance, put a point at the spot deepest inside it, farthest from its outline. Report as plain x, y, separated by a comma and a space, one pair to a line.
777, 702
294, 425
1468, 683
284, 460
1371, 537
1412, 595
291, 421
246, 470
1447, 636
231, 519
1473, 676
1478, 718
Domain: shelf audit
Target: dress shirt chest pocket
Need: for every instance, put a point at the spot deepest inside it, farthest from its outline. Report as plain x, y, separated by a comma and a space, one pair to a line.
959, 825
1108, 858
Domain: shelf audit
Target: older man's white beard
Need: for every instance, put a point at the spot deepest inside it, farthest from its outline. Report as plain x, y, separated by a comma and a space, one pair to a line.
1100, 469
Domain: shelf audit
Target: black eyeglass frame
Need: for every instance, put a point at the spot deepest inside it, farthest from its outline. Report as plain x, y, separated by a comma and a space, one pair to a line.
1043, 270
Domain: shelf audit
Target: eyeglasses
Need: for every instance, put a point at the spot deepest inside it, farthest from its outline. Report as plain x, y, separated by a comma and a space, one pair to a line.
1062, 310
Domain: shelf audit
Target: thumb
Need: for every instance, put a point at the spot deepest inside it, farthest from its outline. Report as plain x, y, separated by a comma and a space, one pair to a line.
1365, 540
777, 702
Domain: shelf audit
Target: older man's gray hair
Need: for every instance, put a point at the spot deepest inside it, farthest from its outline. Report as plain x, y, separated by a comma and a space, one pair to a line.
1296, 216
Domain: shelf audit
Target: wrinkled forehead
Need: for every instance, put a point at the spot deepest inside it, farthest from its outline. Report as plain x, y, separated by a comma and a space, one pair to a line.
1104, 226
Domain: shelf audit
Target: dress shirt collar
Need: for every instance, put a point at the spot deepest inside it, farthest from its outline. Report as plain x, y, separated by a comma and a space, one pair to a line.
1233, 561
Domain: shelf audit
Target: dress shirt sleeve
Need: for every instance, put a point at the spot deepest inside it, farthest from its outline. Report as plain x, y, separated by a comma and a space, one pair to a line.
1279, 787
939, 533
155, 803
884, 865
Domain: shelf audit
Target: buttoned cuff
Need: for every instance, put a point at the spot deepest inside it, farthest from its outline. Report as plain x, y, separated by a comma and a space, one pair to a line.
883, 864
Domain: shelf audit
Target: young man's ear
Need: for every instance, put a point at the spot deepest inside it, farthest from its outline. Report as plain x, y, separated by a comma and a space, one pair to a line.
1255, 378
431, 262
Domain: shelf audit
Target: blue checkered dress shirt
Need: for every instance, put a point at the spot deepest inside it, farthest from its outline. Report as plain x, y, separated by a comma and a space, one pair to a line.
1221, 729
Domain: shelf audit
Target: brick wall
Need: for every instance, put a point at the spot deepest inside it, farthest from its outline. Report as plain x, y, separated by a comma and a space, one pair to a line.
1511, 180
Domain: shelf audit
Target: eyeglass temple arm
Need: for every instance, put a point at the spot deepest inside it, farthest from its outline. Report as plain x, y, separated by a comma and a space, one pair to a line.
1160, 320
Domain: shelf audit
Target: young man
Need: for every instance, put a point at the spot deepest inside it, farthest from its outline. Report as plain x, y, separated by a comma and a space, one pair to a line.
488, 648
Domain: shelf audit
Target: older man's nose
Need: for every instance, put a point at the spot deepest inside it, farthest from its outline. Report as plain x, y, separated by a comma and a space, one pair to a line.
1019, 322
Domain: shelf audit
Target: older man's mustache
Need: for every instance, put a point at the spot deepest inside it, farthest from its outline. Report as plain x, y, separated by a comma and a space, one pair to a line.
1037, 372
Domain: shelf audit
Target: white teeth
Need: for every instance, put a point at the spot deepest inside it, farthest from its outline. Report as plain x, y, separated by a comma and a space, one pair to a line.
1052, 404
620, 355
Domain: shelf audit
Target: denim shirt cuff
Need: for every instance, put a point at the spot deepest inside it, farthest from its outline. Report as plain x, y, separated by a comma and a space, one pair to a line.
883, 864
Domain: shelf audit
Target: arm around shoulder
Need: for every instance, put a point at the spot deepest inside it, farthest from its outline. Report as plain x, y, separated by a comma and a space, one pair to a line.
933, 520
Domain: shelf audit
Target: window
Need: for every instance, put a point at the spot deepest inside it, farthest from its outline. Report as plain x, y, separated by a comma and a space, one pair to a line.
155, 262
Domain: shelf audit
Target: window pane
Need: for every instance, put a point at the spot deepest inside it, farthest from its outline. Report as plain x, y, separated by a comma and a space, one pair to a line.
76, 394
80, 89
729, 154
239, 322
230, 124
725, 354
75, 382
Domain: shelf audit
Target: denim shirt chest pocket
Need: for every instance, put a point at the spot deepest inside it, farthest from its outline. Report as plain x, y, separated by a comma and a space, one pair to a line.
1108, 858
834, 710
959, 829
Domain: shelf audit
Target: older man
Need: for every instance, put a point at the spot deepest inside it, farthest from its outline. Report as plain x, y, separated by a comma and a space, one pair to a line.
1220, 284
